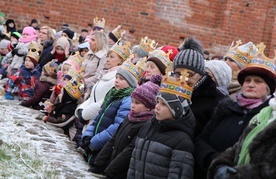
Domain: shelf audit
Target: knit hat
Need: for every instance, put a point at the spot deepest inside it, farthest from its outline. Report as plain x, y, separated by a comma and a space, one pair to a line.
34, 52
116, 34
51, 68
221, 71
4, 43
146, 94
31, 35
73, 88
98, 24
241, 53
128, 76
173, 51
190, 56
161, 60
16, 35
69, 33
262, 66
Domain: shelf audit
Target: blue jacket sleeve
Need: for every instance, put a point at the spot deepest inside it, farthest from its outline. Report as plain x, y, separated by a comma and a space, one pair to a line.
88, 132
99, 140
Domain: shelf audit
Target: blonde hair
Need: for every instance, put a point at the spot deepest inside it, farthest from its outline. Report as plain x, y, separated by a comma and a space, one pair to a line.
50, 31
101, 41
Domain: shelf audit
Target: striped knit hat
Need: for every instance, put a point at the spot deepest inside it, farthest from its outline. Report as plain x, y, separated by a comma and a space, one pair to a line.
190, 56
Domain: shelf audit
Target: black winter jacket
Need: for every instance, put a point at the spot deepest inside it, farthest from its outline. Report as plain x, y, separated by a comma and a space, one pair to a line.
164, 149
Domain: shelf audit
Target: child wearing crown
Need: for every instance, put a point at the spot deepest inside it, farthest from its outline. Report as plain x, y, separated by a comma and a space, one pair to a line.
42, 88
164, 146
60, 113
23, 81
114, 158
115, 107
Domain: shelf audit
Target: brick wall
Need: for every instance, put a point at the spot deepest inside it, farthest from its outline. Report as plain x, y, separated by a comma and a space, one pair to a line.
215, 22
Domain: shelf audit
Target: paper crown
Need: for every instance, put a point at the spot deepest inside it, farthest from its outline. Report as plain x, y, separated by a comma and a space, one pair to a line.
74, 74
75, 60
135, 70
73, 88
51, 68
178, 87
122, 49
162, 56
34, 50
241, 52
118, 32
147, 44
260, 60
99, 22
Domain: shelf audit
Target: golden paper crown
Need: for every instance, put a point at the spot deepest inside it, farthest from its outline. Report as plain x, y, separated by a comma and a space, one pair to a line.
136, 71
73, 88
260, 60
162, 56
118, 32
34, 50
74, 74
147, 44
178, 87
122, 49
75, 60
241, 52
99, 22
142, 64
51, 68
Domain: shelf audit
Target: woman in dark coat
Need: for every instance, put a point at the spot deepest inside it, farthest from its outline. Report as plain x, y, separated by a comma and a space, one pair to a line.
231, 118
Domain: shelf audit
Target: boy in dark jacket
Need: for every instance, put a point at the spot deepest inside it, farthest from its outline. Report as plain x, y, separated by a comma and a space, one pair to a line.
164, 146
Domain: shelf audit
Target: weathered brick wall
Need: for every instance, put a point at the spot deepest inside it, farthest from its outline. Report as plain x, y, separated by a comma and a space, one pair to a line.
215, 22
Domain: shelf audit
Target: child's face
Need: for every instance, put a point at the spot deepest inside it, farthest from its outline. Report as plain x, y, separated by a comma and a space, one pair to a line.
13, 39
65, 68
162, 111
28, 63
24, 35
137, 106
120, 82
83, 52
59, 50
151, 69
3, 51
112, 60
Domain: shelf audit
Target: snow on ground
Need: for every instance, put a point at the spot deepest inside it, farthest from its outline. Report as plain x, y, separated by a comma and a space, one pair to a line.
30, 148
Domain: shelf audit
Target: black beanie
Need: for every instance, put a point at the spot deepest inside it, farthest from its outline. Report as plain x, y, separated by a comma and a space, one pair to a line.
69, 33
112, 37
190, 56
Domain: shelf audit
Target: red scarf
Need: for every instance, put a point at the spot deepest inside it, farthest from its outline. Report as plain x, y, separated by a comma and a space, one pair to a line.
59, 57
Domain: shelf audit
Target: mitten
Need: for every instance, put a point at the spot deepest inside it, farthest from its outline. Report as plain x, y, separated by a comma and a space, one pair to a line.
222, 171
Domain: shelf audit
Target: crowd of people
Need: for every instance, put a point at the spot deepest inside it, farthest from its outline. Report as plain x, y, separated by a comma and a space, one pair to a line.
143, 110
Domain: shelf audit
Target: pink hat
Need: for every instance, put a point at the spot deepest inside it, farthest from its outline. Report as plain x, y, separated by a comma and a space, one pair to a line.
31, 35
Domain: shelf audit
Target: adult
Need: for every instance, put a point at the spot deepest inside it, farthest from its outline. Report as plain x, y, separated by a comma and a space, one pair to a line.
236, 57
95, 60
253, 156
46, 37
10, 27
231, 118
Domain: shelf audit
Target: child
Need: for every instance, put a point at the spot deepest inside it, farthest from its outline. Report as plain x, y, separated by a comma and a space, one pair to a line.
115, 156
115, 107
164, 146
60, 52
19, 52
42, 87
22, 81
64, 109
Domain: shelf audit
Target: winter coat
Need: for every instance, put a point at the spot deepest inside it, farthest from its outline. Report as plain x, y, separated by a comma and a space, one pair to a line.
262, 155
92, 66
62, 108
93, 104
222, 131
164, 149
41, 90
107, 122
118, 150
204, 100
47, 48
19, 54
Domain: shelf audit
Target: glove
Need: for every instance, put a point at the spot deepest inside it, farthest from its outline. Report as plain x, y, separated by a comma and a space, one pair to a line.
222, 171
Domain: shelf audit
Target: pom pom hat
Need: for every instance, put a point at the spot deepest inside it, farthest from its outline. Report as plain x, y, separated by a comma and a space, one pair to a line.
190, 56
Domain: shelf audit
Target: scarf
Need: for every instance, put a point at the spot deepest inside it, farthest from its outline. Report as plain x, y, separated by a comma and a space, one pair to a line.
140, 117
28, 39
115, 94
60, 57
261, 121
250, 103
